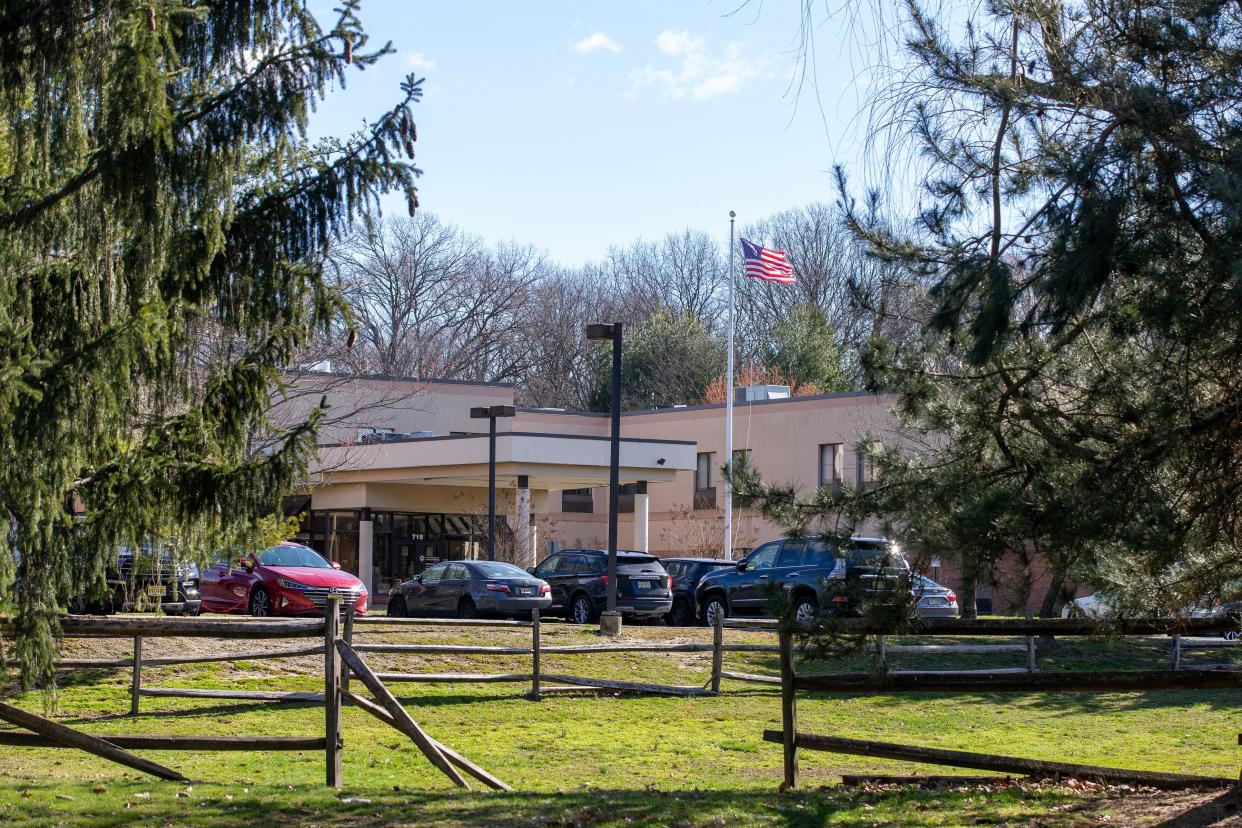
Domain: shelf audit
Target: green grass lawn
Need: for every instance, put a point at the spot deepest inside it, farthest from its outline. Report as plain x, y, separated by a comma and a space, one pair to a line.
607, 759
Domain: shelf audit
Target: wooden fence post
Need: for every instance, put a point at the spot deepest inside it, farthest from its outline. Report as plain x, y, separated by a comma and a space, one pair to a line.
717, 651
881, 653
534, 654
1030, 653
348, 635
789, 711
135, 684
1175, 658
332, 691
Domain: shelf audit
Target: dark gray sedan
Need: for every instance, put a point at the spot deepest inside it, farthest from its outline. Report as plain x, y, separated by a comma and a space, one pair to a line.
468, 589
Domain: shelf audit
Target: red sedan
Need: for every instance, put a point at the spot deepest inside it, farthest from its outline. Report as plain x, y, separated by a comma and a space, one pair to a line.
288, 579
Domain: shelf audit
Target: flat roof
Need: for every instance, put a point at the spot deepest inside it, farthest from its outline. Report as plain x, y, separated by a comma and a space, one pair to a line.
400, 378
499, 434
705, 406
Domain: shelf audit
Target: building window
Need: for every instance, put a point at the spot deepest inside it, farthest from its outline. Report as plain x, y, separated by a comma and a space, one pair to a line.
864, 468
577, 500
830, 464
625, 498
704, 485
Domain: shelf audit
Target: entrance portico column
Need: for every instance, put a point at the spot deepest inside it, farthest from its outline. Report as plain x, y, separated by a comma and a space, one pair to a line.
521, 524
640, 516
366, 543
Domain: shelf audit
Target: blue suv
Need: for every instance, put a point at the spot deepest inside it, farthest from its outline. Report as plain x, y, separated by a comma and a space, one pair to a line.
800, 567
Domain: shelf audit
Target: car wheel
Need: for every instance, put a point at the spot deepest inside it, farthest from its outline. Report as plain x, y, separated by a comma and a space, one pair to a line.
260, 603
396, 607
714, 611
581, 609
466, 609
806, 610
680, 615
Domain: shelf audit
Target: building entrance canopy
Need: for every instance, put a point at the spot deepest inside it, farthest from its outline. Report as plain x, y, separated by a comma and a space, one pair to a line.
387, 510
549, 462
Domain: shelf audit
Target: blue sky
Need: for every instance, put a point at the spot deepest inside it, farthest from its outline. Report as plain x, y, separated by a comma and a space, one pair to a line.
575, 125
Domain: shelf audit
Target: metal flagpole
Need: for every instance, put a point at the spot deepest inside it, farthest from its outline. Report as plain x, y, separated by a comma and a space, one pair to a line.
728, 486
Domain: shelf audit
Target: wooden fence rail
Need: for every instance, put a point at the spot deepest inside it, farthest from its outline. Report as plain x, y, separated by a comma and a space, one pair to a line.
792, 740
1018, 627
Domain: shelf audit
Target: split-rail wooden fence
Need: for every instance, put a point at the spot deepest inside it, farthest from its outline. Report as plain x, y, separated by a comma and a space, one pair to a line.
1000, 681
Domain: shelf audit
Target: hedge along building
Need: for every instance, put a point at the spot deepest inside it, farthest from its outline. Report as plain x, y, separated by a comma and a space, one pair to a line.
401, 477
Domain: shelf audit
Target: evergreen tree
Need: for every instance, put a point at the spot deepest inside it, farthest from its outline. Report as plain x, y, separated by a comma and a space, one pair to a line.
1082, 365
160, 185
666, 360
804, 349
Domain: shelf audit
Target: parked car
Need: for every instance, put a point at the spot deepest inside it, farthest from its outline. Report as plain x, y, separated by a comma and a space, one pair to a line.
1088, 606
468, 589
287, 579
686, 574
579, 582
800, 567
142, 578
933, 600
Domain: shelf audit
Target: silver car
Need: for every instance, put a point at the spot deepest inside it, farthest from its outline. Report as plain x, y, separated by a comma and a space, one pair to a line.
933, 600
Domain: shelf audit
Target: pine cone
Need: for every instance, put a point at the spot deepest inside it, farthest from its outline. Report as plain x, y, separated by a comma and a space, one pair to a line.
413, 131
409, 148
349, 51
351, 339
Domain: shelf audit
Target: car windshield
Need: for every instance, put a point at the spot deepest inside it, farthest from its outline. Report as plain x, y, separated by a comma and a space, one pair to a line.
292, 556
492, 569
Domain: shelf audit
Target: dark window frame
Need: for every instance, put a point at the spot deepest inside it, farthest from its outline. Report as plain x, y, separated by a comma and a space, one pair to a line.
581, 501
838, 464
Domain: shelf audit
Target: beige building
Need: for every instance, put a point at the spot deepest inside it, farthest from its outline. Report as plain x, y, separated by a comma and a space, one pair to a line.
402, 473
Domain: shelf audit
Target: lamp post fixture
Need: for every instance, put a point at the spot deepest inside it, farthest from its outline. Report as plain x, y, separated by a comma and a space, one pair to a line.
610, 622
490, 414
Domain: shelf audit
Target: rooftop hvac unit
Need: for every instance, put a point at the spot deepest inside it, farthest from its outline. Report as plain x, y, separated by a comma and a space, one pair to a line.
392, 436
758, 393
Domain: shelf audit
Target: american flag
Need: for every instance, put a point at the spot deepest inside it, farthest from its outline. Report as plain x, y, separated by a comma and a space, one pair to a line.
765, 264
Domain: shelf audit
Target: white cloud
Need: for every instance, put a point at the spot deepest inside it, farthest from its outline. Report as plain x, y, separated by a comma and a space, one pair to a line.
596, 41
678, 43
419, 61
700, 72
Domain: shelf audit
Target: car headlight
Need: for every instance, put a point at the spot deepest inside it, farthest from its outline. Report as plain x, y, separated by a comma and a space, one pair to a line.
294, 585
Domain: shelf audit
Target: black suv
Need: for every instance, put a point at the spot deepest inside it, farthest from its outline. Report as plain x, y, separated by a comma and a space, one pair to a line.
686, 574
143, 578
579, 582
800, 566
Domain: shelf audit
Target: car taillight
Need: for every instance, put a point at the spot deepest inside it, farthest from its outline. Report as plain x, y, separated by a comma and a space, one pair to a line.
952, 598
603, 579
545, 590
499, 588
669, 579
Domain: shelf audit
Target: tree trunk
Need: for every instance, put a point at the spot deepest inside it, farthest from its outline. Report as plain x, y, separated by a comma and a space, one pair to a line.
966, 592
1048, 608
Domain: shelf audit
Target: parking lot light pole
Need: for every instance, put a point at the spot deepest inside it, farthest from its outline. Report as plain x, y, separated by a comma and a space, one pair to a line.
610, 622
490, 413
